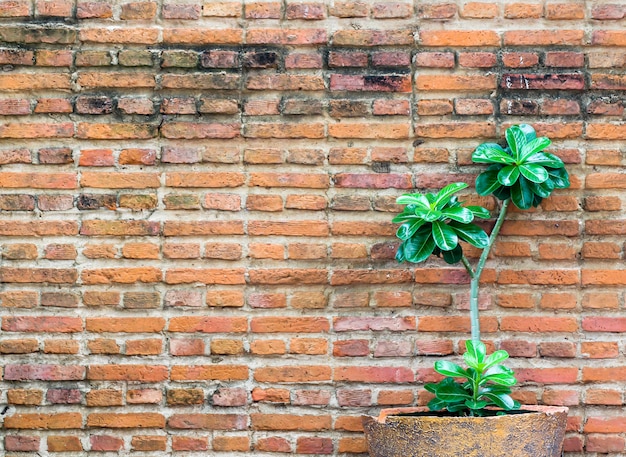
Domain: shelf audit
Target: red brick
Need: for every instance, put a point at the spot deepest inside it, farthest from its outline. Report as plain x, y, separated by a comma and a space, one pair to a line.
290, 422
440, 38
523, 11
62, 8
609, 11
187, 443
208, 421
184, 12
479, 10
126, 420
44, 373
22, 443
543, 38
93, 10
373, 375
287, 36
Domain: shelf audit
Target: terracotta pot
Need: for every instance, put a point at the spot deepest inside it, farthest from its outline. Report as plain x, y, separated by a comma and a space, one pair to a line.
538, 432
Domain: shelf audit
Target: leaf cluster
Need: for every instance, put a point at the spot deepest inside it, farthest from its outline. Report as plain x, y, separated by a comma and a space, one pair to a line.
435, 223
483, 384
522, 171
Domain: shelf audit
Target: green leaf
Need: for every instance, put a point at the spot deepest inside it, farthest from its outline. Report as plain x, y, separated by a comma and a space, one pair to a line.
543, 189
529, 132
479, 211
491, 153
522, 195
559, 177
502, 193
487, 182
445, 194
516, 140
453, 256
436, 404
400, 253
408, 229
417, 249
501, 375
452, 393
431, 387
533, 172
445, 238
495, 358
508, 175
545, 159
455, 408
405, 217
503, 401
533, 147
475, 354
450, 369
458, 214
476, 404
471, 233
432, 215
419, 200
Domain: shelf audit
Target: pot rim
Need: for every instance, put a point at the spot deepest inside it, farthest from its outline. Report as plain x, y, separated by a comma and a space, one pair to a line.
384, 413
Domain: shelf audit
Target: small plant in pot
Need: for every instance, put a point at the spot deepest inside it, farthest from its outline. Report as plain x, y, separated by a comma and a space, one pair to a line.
472, 412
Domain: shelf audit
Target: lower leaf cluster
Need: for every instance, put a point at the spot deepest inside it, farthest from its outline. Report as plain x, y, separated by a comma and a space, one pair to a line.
483, 385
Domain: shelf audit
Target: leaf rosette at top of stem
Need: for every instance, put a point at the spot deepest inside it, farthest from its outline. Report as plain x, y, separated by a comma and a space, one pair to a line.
522, 171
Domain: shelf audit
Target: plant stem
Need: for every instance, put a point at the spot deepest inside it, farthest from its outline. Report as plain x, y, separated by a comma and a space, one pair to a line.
475, 274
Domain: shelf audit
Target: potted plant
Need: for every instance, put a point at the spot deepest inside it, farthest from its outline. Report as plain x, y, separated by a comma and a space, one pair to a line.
472, 412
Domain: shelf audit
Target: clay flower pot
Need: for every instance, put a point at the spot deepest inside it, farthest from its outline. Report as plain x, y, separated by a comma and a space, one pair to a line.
534, 431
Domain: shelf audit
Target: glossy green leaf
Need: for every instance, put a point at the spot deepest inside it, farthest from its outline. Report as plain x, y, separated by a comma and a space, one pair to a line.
516, 140
432, 215
559, 177
472, 234
400, 253
419, 200
495, 358
476, 404
499, 374
491, 153
456, 407
418, 249
408, 229
452, 392
502, 193
444, 195
479, 211
437, 405
405, 216
543, 189
533, 172
458, 214
431, 387
545, 159
529, 132
475, 354
533, 147
453, 256
508, 175
487, 182
522, 195
503, 401
445, 238
450, 369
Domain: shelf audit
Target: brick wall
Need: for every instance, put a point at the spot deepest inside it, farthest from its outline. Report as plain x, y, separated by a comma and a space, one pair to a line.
197, 252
